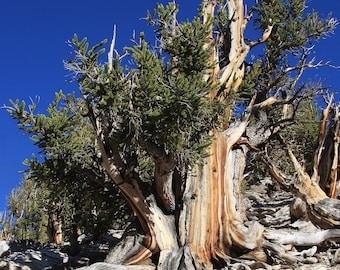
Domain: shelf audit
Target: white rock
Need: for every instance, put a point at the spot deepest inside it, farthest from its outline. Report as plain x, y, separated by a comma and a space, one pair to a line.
3, 248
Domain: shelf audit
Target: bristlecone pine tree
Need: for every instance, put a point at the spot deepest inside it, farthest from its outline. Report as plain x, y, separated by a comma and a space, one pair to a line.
169, 136
68, 175
28, 218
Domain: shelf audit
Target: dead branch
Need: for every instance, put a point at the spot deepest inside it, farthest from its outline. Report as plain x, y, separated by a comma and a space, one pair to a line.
333, 178
112, 47
321, 141
264, 38
303, 238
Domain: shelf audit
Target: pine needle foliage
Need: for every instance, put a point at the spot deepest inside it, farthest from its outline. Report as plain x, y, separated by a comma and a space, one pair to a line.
27, 211
69, 168
162, 98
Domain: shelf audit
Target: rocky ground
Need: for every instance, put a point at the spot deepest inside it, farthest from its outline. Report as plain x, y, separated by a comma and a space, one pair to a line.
265, 203
272, 207
35, 256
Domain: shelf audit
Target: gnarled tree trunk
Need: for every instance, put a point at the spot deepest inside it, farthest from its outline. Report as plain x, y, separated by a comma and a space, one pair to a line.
210, 224
196, 219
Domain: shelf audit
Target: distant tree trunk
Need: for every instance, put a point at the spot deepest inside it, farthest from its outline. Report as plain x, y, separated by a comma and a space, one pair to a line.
73, 238
54, 231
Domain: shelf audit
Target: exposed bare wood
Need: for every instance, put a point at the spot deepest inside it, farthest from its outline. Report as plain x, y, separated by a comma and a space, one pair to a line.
279, 176
208, 15
290, 242
280, 251
298, 209
328, 166
321, 142
304, 184
232, 74
303, 238
164, 168
265, 36
130, 250
164, 230
286, 114
213, 201
321, 210
212, 218
112, 47
326, 213
335, 164
54, 229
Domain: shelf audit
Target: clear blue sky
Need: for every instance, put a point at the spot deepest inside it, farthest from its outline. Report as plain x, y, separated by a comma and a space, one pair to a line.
33, 37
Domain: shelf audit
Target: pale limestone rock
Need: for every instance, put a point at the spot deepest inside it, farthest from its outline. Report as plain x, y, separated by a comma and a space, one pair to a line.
4, 248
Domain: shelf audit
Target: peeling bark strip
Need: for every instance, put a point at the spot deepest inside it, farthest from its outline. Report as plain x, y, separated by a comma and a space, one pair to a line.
212, 217
328, 162
325, 172
333, 177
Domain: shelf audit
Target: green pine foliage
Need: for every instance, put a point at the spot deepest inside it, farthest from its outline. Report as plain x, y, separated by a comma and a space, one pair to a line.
5, 226
302, 135
294, 33
27, 211
79, 192
162, 98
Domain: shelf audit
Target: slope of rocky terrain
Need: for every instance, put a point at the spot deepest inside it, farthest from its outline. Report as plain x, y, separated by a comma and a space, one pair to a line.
265, 203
